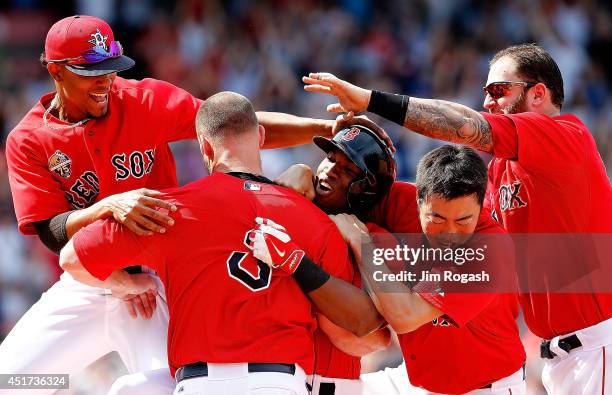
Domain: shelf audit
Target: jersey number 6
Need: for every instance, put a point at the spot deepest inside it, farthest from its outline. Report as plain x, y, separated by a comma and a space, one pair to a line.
237, 272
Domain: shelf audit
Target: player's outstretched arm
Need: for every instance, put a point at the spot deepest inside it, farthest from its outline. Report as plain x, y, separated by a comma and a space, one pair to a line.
272, 244
439, 119
404, 310
285, 130
137, 210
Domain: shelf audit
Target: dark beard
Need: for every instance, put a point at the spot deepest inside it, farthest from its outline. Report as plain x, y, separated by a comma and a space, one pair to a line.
517, 107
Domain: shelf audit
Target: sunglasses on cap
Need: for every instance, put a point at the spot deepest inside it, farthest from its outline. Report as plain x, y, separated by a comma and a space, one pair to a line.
500, 89
95, 54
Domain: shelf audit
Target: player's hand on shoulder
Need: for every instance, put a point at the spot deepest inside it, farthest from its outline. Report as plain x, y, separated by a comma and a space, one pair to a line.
272, 245
138, 211
350, 227
300, 178
348, 119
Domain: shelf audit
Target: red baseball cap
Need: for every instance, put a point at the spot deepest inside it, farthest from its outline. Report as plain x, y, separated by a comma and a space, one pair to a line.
87, 46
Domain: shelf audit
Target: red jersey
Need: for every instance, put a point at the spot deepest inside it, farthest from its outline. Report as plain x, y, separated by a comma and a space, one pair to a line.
477, 340
225, 306
330, 361
548, 177
54, 170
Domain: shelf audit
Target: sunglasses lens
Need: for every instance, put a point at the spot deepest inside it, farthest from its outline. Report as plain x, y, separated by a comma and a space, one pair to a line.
497, 90
115, 49
98, 54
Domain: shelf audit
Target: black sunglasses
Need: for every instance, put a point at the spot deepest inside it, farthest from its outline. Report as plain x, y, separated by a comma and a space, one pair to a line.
500, 89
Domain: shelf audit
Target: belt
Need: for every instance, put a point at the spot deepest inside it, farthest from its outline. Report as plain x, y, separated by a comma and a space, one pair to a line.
567, 344
199, 369
491, 385
327, 388
324, 388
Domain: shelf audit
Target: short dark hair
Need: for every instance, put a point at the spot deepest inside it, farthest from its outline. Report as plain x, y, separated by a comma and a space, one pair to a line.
451, 171
534, 64
225, 114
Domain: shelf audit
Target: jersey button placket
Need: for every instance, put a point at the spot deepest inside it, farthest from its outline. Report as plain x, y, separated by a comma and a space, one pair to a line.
91, 133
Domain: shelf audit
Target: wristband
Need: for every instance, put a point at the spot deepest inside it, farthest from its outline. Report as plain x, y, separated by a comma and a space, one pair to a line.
389, 105
310, 276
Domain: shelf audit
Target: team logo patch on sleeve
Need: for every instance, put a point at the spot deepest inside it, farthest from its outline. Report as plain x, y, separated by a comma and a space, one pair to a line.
249, 186
60, 163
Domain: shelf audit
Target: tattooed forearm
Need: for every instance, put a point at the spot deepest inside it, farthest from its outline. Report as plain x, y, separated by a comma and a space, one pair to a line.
449, 121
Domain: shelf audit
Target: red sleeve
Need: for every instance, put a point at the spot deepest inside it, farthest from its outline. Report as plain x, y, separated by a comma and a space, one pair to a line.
37, 195
538, 142
397, 212
334, 257
105, 246
177, 108
459, 309
460, 304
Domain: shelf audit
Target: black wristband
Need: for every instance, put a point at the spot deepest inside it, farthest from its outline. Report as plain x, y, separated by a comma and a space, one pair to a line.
52, 231
389, 105
310, 276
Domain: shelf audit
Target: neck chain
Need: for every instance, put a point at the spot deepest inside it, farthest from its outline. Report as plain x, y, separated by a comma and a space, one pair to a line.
54, 104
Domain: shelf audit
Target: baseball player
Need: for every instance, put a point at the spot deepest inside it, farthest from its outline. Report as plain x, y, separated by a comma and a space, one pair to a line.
95, 148
357, 173
234, 327
477, 344
334, 369
540, 156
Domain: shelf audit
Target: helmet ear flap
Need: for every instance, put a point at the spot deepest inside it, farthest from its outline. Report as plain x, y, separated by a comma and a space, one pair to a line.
361, 194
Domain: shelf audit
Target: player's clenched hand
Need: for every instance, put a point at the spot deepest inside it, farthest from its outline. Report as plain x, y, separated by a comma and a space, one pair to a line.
350, 227
272, 244
299, 178
344, 120
350, 97
137, 210
139, 295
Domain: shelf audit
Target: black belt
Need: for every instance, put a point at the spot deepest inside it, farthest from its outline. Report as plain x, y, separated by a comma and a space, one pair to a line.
567, 344
327, 388
324, 388
491, 385
199, 369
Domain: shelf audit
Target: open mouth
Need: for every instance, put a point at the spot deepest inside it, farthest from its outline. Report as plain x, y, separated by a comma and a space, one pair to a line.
99, 97
324, 187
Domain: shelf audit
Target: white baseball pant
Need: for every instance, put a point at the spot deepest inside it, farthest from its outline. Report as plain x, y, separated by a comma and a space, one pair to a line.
342, 386
390, 381
584, 370
235, 379
72, 325
394, 381
152, 382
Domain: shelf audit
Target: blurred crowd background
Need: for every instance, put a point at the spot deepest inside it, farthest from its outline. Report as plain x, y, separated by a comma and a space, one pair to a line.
427, 48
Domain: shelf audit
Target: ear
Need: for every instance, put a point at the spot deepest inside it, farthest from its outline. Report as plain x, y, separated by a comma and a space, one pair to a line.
206, 148
539, 92
56, 71
262, 136
209, 152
